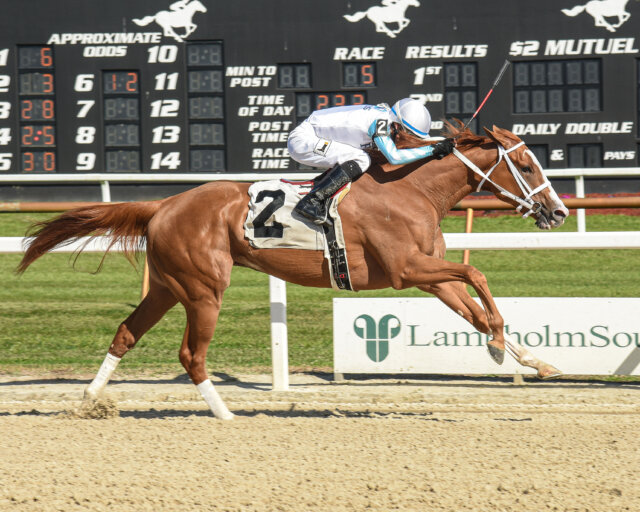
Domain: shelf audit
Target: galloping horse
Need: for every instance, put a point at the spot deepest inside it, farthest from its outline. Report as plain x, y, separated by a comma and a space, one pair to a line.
391, 11
602, 9
391, 220
180, 17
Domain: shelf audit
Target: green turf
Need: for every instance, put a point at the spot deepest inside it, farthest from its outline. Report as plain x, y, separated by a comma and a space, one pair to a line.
55, 317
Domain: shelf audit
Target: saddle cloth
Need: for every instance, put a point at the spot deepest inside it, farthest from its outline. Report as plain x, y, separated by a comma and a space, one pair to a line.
271, 225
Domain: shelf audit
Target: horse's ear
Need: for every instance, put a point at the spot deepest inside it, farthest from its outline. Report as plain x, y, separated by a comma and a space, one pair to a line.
506, 134
501, 136
490, 134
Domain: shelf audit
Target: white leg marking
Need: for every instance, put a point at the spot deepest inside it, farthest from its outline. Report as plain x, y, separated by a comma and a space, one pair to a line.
211, 396
109, 365
519, 353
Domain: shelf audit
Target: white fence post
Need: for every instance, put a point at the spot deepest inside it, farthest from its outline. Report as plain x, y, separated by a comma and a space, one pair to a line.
105, 191
582, 218
279, 342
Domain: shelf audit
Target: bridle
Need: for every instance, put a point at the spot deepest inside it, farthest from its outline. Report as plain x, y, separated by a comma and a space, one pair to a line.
524, 202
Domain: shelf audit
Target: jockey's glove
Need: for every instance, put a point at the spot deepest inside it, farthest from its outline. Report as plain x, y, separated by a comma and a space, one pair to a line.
443, 148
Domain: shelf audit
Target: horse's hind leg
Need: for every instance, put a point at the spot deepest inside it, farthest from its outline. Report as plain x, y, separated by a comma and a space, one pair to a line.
381, 27
202, 317
152, 308
201, 295
201, 322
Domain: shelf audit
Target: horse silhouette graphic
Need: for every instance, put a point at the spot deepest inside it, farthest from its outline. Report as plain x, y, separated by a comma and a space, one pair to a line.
602, 9
179, 15
391, 11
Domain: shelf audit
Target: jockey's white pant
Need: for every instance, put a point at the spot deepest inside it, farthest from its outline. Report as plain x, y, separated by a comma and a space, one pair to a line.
307, 148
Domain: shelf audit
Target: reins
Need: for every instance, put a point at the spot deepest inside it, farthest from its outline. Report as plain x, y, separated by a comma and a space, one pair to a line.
527, 191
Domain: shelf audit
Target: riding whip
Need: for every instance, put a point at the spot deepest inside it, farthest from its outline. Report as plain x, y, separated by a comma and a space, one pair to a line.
495, 83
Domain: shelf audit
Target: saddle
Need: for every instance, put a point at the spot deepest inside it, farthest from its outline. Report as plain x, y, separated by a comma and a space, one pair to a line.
271, 224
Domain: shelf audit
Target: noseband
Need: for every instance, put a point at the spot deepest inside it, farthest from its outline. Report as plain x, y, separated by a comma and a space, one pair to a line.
524, 202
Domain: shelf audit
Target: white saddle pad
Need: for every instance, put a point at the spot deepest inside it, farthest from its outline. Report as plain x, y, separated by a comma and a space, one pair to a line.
270, 225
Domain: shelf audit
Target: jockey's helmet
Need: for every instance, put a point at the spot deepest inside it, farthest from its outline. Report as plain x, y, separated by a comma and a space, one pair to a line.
413, 115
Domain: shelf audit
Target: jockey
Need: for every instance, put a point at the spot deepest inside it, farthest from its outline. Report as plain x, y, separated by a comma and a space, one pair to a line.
179, 5
337, 138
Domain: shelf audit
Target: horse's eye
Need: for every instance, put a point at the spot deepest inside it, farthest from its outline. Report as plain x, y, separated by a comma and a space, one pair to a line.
526, 169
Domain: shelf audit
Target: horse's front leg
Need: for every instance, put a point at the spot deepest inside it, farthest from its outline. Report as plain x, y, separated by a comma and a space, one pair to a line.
455, 295
526, 358
622, 18
422, 270
153, 307
601, 22
402, 24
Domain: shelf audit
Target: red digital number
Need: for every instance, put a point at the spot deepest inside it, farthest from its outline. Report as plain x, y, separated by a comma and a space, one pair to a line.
368, 77
27, 135
48, 135
25, 111
40, 135
339, 100
48, 111
49, 161
46, 57
357, 99
132, 83
28, 162
322, 101
48, 83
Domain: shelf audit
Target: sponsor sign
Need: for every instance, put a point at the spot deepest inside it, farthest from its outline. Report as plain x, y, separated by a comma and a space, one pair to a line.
580, 336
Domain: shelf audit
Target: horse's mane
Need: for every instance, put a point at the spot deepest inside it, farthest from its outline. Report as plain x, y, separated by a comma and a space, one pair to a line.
403, 140
464, 137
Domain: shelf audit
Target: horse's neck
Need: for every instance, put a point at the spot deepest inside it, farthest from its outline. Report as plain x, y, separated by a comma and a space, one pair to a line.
447, 182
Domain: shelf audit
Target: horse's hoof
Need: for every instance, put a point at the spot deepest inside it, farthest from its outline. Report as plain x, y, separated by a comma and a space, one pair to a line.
548, 372
496, 353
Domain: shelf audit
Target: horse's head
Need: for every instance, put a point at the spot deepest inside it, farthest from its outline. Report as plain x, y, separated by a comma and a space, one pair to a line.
198, 6
519, 179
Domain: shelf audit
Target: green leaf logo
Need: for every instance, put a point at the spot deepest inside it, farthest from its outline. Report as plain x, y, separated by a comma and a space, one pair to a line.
377, 336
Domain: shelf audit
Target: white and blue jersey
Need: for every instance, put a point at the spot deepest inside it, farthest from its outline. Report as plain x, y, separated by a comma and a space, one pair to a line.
334, 135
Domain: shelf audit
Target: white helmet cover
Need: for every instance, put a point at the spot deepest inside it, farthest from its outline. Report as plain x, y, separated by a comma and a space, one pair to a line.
413, 115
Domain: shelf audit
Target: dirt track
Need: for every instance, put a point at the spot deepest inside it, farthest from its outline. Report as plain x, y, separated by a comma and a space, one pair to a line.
368, 445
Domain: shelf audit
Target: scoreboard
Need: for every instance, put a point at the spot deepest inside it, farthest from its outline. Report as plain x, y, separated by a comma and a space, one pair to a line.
143, 86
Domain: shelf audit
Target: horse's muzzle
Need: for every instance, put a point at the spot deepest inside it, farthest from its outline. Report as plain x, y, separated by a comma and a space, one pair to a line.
549, 219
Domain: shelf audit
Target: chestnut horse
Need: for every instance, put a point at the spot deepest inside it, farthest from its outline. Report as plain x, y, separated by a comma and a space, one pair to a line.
391, 220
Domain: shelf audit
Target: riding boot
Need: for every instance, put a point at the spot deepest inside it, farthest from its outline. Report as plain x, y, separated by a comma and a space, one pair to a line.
313, 206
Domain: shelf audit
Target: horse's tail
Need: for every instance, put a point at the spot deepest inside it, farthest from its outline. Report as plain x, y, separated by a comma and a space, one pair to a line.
574, 11
144, 21
124, 223
355, 17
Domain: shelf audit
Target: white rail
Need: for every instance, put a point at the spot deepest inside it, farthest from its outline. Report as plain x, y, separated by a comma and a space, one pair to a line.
105, 179
454, 241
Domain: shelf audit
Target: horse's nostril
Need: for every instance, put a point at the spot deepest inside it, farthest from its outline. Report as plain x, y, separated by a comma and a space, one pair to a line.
560, 213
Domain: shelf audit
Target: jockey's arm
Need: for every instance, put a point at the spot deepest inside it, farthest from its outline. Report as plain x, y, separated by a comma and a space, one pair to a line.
380, 132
